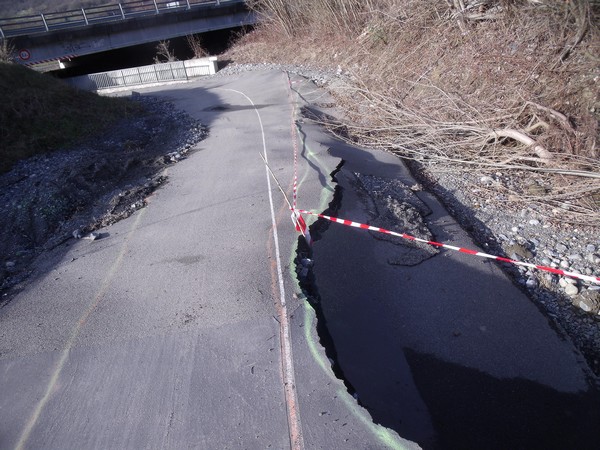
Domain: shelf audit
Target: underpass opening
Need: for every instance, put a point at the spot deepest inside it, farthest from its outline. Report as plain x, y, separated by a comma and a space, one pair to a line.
213, 42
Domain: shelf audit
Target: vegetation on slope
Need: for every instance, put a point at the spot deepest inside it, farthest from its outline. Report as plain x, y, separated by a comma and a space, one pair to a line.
495, 84
39, 113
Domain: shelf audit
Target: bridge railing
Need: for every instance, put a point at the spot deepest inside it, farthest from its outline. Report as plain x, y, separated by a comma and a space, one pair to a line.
42, 23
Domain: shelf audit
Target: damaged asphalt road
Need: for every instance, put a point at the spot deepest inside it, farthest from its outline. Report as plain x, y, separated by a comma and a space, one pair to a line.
180, 328
168, 332
437, 345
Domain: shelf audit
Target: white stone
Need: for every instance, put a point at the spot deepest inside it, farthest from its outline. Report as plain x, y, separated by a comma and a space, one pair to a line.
584, 306
534, 222
531, 283
566, 281
571, 290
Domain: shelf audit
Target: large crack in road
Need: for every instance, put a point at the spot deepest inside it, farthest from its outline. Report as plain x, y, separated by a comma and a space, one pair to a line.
442, 349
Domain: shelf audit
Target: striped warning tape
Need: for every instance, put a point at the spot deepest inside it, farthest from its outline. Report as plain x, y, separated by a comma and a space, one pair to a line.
363, 226
294, 133
301, 226
297, 219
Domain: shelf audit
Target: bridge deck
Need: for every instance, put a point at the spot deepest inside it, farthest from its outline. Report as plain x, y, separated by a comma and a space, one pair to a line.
56, 21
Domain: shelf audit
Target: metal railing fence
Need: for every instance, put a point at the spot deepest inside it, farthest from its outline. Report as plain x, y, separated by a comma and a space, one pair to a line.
41, 23
143, 75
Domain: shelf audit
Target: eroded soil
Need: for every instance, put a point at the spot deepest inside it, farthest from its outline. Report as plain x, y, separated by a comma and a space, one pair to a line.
69, 193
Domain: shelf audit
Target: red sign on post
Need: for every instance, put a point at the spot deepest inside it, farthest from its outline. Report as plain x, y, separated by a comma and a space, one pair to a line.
24, 54
301, 227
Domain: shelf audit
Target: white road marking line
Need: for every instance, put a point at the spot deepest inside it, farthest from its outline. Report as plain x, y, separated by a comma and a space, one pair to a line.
295, 427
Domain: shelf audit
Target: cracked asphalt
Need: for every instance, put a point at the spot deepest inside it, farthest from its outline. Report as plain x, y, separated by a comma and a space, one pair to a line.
187, 326
166, 333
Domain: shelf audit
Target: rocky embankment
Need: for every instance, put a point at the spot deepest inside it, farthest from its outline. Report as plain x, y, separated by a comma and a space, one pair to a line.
49, 199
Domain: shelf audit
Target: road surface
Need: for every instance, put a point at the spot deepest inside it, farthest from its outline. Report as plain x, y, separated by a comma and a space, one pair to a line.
187, 326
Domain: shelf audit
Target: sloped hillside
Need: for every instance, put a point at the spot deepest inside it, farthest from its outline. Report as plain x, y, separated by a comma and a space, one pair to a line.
39, 113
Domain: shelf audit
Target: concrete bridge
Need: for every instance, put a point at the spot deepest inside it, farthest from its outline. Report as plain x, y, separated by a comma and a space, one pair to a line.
43, 41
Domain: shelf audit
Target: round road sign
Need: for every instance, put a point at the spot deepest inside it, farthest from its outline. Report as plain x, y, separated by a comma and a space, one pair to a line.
24, 54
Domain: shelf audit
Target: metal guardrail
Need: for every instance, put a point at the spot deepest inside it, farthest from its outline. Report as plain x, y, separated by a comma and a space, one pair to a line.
43, 23
144, 75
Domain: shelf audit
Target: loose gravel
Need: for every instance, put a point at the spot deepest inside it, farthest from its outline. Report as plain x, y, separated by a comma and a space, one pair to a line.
70, 193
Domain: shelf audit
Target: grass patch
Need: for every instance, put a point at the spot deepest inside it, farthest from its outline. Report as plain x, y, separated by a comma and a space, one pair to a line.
39, 114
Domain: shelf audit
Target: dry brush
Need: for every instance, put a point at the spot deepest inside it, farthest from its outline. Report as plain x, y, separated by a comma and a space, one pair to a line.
494, 84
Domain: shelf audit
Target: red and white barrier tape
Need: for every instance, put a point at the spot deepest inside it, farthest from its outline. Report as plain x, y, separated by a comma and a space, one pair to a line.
452, 247
294, 133
301, 226
297, 219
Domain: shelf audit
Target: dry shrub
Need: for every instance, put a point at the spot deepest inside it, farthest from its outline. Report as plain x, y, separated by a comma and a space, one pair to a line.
164, 53
7, 51
195, 44
509, 84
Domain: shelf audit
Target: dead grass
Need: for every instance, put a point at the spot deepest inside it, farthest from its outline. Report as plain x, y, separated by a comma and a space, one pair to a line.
501, 85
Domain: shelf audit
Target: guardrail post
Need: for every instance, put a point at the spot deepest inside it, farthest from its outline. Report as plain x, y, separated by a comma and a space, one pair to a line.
84, 16
45, 24
122, 12
2, 33
156, 6
188, 4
